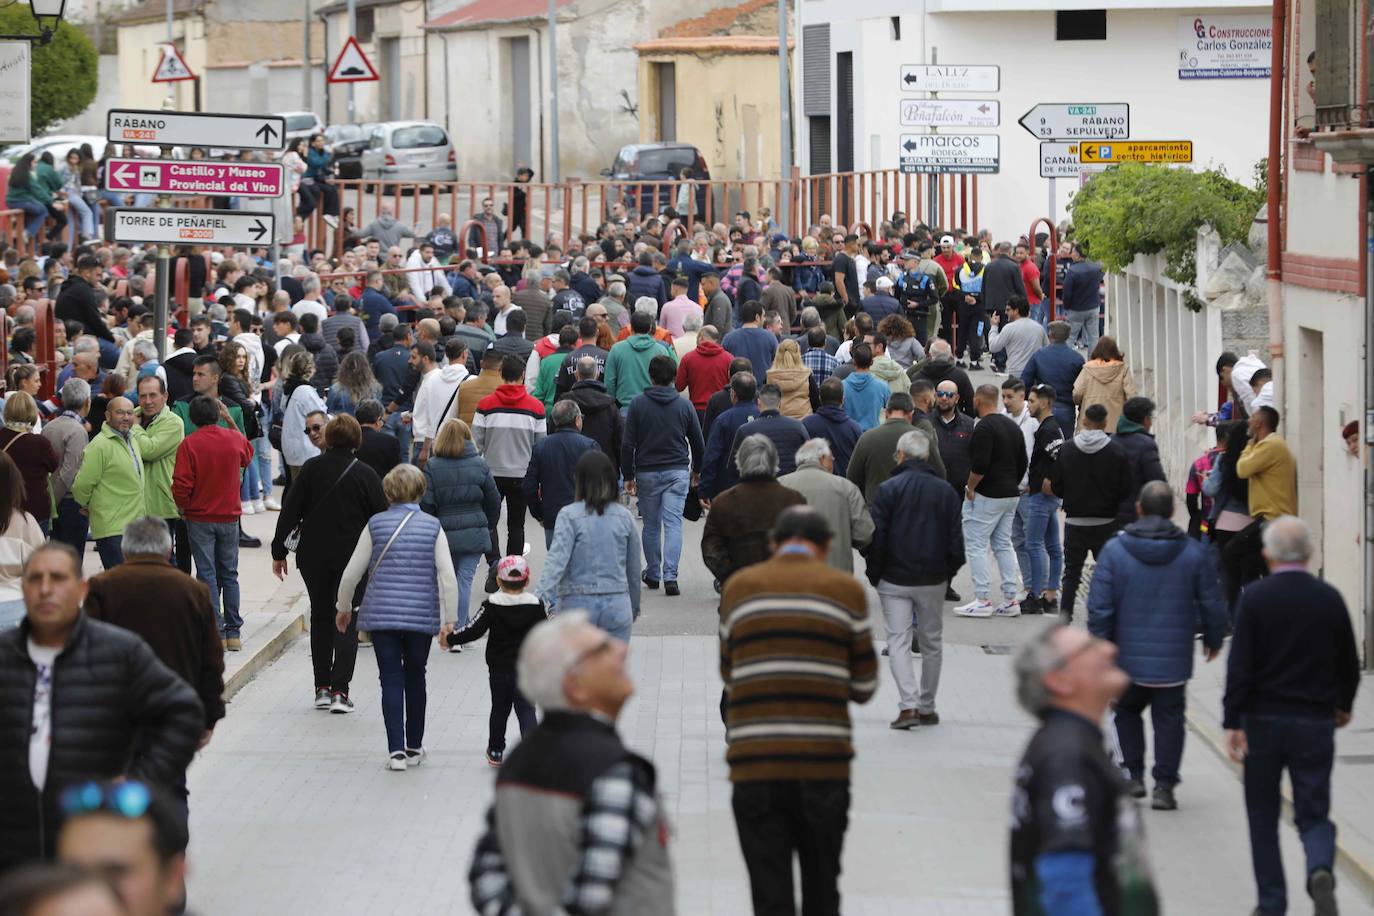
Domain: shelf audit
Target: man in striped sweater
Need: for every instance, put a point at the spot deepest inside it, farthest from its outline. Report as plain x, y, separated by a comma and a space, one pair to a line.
794, 650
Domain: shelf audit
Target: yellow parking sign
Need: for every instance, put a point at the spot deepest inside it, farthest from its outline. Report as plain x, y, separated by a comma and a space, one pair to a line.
1135, 151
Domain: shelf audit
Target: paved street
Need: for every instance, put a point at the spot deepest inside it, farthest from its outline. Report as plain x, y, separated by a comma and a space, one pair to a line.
292, 809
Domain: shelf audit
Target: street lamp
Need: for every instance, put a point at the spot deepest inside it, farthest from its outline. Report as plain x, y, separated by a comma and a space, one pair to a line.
47, 13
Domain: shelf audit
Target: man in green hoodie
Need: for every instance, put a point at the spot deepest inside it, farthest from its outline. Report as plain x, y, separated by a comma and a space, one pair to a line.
887, 368
110, 484
627, 366
159, 432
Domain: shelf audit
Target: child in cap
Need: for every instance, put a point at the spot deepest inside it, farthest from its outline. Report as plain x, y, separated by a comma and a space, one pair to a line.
508, 615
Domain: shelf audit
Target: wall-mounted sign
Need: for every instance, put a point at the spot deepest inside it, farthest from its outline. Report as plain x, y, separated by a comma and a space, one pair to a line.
1218, 46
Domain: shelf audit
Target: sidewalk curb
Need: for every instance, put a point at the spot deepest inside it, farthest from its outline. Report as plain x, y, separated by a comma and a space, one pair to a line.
1358, 869
281, 635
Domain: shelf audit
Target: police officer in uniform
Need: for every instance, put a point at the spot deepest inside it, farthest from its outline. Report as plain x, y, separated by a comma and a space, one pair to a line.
1076, 840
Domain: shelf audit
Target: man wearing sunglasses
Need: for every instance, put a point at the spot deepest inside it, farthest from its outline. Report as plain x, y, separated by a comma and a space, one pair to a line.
123, 712
1075, 835
577, 824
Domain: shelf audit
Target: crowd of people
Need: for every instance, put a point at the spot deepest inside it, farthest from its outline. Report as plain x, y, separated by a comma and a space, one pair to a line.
808, 397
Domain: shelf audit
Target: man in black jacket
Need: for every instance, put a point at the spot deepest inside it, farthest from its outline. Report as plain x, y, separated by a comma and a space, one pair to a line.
601, 417
1142, 453
1040, 508
548, 485
77, 300
380, 450
786, 433
1291, 680
121, 711
917, 547
1092, 475
721, 401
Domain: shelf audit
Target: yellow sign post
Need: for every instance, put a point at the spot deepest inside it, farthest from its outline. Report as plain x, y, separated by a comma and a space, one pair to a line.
1107, 153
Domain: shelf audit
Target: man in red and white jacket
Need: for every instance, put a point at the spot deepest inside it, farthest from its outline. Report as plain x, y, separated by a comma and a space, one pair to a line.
205, 486
505, 427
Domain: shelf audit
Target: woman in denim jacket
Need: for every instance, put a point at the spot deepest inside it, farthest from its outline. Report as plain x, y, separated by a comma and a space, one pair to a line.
593, 563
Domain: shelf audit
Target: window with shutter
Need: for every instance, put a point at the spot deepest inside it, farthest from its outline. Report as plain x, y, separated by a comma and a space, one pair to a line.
816, 70
1335, 83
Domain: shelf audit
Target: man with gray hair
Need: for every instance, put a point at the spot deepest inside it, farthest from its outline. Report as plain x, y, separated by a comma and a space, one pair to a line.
67, 435
1073, 831
741, 518
312, 301
614, 303
917, 547
838, 501
548, 485
576, 824
1290, 682
1151, 590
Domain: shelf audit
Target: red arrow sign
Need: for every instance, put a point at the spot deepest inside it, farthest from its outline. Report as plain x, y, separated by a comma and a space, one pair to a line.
182, 176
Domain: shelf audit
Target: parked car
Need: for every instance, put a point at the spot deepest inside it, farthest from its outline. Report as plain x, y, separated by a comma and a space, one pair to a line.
57, 144
657, 162
301, 124
409, 151
347, 142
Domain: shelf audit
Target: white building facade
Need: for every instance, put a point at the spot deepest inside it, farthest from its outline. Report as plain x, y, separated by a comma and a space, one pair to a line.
848, 91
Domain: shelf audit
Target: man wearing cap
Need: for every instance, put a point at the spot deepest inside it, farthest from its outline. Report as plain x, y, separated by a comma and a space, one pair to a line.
949, 260
878, 301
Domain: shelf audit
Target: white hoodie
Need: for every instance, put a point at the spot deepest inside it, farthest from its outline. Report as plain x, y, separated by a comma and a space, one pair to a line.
432, 399
422, 281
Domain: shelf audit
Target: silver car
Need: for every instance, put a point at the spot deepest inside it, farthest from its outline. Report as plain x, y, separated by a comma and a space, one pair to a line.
409, 151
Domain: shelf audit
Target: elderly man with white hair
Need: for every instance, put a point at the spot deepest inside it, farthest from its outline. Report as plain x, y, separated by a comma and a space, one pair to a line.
838, 501
917, 547
576, 825
1291, 681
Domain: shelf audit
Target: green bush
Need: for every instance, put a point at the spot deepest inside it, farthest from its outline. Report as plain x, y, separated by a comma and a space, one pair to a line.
1134, 208
64, 71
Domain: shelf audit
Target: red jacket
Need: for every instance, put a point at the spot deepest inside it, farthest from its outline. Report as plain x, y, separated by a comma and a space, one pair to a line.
205, 483
703, 372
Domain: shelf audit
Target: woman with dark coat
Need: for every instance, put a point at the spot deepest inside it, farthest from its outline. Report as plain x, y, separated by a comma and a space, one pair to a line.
331, 501
461, 492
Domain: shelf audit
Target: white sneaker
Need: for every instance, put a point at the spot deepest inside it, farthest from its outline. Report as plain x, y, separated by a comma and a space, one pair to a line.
272, 504
396, 761
247, 507
331, 221
455, 650
975, 608
414, 756
259, 506
1011, 608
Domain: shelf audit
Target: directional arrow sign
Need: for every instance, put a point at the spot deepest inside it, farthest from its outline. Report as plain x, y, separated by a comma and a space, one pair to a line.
944, 154
188, 227
1087, 121
174, 128
181, 176
950, 113
950, 78
1137, 151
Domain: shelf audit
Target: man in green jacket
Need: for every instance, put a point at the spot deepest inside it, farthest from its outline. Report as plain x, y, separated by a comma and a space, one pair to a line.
872, 460
627, 365
110, 482
159, 432
546, 384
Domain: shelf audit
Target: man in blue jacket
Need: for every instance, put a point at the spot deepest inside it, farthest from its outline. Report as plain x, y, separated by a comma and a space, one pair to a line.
1082, 298
1153, 589
374, 302
548, 485
786, 433
718, 472
1057, 365
660, 458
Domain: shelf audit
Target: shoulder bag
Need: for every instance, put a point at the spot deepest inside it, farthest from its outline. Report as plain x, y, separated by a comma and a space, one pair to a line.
389, 541
293, 540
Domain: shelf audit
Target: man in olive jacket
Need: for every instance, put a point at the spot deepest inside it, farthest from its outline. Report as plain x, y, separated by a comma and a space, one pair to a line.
79, 700
160, 432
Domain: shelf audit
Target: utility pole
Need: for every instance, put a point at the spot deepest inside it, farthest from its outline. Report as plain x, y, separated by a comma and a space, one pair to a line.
785, 108
553, 92
352, 31
171, 87
305, 57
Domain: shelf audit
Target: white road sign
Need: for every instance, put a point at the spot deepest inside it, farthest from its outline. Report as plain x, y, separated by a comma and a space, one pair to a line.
945, 154
1078, 121
14, 91
950, 78
189, 227
1059, 160
950, 113
174, 128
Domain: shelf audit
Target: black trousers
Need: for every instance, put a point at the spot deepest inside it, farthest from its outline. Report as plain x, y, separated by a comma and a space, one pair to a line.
505, 695
970, 316
1078, 541
332, 654
779, 819
181, 544
514, 499
313, 193
1242, 561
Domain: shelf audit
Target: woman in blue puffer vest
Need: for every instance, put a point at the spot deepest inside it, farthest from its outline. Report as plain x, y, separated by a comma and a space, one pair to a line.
462, 494
411, 590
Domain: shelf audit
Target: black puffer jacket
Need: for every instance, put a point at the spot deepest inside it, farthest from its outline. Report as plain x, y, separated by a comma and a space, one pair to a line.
116, 710
326, 362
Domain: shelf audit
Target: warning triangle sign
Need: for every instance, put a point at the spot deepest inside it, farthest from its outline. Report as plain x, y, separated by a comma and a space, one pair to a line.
171, 67
352, 65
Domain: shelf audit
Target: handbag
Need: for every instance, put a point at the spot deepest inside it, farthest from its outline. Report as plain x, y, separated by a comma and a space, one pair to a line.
691, 506
293, 540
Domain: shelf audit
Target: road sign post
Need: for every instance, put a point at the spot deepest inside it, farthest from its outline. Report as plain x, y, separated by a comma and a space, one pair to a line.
1158, 151
153, 225
176, 128
950, 78
189, 176
1078, 121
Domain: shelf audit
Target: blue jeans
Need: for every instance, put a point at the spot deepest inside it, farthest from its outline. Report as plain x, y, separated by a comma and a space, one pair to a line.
11, 612
401, 431
34, 214
662, 495
1066, 415
401, 657
215, 548
988, 521
85, 219
70, 526
465, 565
1040, 313
1082, 325
111, 550
610, 612
249, 489
1039, 514
1306, 748
109, 353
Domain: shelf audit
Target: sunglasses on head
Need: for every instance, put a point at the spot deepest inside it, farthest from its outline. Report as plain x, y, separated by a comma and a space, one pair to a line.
127, 799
